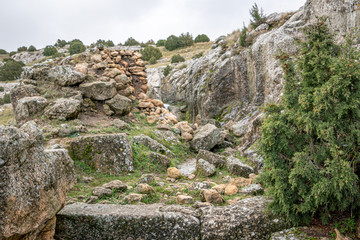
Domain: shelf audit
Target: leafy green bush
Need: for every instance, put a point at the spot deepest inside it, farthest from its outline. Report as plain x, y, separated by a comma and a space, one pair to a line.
76, 46
50, 50
198, 55
150, 42
202, 38
186, 40
167, 70
172, 43
242, 39
2, 89
152, 60
11, 70
31, 49
103, 43
310, 141
2, 51
257, 16
60, 43
12, 53
151, 52
177, 58
131, 42
161, 43
22, 49
5, 100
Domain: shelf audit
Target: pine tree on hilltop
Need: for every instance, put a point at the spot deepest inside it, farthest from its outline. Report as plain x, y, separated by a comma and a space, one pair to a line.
311, 140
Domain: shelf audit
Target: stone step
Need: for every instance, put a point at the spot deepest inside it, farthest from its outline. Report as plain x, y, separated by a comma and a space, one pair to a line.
246, 219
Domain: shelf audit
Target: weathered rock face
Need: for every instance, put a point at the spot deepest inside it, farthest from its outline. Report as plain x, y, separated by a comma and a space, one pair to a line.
29, 107
22, 91
82, 221
33, 183
111, 154
27, 57
64, 109
154, 77
98, 90
66, 75
206, 137
214, 84
246, 219
238, 168
120, 105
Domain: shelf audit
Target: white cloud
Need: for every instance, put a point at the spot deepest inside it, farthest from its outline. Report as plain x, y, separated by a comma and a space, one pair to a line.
42, 22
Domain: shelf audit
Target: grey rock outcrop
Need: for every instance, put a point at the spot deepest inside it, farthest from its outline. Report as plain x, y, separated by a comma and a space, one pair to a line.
111, 154
152, 144
154, 77
247, 219
27, 57
205, 168
238, 168
99, 90
66, 75
206, 137
82, 221
212, 158
33, 183
29, 107
64, 109
22, 91
121, 105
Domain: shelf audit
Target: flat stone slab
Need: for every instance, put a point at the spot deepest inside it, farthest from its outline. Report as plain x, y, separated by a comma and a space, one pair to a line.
187, 168
99, 221
247, 219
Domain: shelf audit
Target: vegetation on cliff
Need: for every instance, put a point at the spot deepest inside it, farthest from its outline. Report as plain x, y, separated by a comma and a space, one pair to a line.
310, 141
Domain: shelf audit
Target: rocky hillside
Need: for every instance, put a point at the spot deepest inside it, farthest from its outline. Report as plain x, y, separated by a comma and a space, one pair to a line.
142, 156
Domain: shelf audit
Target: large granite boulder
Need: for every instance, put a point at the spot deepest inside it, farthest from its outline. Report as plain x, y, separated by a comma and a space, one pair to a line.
236, 167
22, 91
111, 153
99, 90
121, 105
29, 107
152, 144
97, 221
33, 183
246, 219
206, 137
66, 76
212, 158
64, 109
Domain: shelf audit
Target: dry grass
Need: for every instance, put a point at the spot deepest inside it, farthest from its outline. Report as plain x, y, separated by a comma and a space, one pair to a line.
7, 115
187, 53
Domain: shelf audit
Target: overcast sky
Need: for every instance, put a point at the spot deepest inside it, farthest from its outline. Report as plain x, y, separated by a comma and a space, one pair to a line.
42, 22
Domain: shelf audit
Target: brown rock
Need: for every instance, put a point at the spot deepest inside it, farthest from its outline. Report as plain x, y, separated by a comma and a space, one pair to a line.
211, 196
82, 67
184, 199
133, 197
146, 105
144, 188
96, 58
241, 181
142, 96
187, 136
116, 185
157, 103
151, 119
173, 172
101, 192
144, 88
220, 188
231, 190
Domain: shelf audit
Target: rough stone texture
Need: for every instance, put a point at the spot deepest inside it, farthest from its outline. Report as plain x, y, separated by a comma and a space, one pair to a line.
101, 192
120, 105
144, 188
27, 57
152, 144
33, 183
205, 168
199, 185
116, 185
231, 190
211, 196
64, 109
173, 172
147, 178
212, 158
160, 159
133, 198
99, 90
82, 221
22, 91
246, 219
66, 76
167, 136
121, 124
238, 168
252, 189
29, 107
289, 234
206, 137
154, 77
111, 154
184, 199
